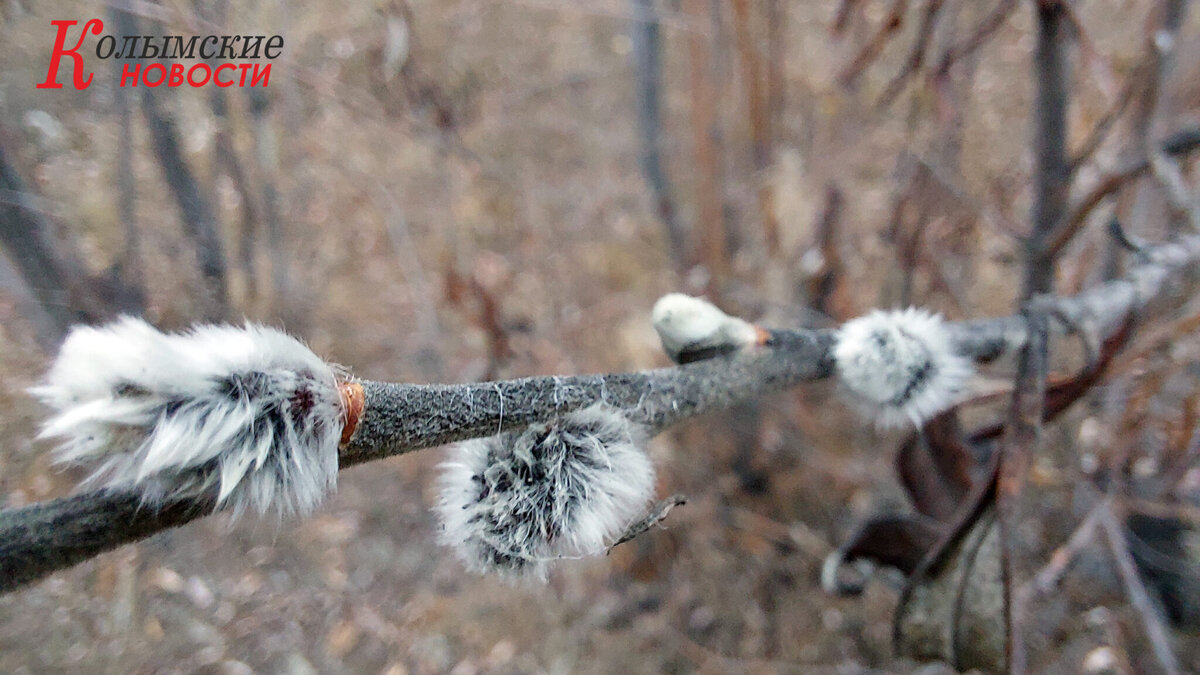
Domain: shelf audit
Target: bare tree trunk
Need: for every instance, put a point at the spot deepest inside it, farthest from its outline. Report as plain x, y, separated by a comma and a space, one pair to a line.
47, 331
776, 53
196, 213
52, 275
266, 149
758, 111
129, 271
226, 160
710, 217
199, 222
1052, 173
647, 73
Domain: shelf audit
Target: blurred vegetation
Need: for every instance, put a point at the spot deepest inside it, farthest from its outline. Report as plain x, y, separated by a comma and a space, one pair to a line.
455, 190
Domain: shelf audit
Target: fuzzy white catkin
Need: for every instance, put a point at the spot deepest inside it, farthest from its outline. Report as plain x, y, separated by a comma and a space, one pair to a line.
901, 366
513, 502
693, 328
249, 410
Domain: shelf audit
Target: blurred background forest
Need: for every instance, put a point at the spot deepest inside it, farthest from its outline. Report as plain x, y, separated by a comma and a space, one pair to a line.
455, 190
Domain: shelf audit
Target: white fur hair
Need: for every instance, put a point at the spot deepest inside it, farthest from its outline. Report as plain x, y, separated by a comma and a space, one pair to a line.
688, 325
901, 365
513, 502
250, 410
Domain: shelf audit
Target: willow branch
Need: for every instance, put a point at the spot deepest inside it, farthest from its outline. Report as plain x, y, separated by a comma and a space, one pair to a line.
39, 539
400, 418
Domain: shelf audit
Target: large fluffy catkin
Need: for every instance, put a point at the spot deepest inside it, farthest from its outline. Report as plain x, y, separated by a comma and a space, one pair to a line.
515, 501
249, 410
901, 366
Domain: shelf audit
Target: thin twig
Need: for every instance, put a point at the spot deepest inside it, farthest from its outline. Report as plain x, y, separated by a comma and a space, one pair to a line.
1139, 597
977, 38
1178, 144
1177, 511
1168, 176
656, 515
890, 25
842, 18
1160, 51
1051, 574
1016, 456
1100, 131
916, 56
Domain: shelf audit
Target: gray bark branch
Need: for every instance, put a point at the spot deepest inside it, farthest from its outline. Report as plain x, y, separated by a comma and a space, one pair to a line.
39, 539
